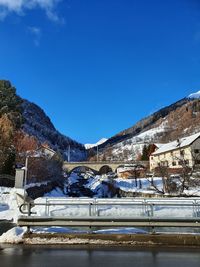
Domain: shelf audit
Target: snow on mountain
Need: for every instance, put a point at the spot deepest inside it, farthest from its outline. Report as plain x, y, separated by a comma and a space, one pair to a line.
150, 134
194, 95
132, 147
172, 122
101, 141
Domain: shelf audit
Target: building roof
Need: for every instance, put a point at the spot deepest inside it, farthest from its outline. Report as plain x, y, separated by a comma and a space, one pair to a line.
158, 145
180, 143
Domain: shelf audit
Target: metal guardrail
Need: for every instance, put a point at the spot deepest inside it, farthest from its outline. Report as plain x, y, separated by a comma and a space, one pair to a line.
148, 208
108, 222
95, 216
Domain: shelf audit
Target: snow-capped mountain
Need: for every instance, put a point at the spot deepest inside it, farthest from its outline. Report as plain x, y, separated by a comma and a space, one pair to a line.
100, 142
194, 95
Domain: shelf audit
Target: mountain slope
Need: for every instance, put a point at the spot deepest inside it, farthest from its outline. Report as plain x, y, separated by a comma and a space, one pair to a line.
174, 121
38, 124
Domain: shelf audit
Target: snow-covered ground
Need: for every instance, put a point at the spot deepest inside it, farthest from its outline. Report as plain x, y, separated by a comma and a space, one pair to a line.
66, 206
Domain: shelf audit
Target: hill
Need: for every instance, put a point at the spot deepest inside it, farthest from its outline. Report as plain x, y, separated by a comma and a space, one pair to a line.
25, 126
37, 123
177, 120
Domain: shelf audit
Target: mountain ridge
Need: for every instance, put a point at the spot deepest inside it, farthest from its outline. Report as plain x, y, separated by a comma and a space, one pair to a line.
176, 120
38, 124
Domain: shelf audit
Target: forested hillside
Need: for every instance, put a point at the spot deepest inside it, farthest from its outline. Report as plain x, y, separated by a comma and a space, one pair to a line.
24, 127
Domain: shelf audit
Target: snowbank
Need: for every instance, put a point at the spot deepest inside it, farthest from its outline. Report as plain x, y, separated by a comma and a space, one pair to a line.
13, 236
9, 203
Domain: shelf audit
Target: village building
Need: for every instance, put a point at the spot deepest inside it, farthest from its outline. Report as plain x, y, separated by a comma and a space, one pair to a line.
176, 154
45, 151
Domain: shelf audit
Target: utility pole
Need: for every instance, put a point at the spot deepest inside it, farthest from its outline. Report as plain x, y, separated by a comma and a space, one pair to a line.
97, 153
25, 176
68, 154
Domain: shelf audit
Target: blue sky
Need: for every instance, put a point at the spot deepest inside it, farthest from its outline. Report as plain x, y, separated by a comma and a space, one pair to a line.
98, 66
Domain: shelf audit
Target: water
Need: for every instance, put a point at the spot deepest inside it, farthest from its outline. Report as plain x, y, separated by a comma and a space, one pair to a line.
51, 256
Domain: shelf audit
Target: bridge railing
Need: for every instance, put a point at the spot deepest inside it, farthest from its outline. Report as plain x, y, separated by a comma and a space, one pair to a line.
53, 207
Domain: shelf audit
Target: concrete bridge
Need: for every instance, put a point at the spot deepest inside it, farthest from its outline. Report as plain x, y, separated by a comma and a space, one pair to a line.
102, 166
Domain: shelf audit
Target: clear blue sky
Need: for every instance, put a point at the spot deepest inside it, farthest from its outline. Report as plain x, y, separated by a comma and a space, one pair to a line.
98, 66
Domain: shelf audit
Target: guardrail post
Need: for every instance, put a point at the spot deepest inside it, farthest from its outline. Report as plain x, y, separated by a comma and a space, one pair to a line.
90, 209
29, 214
149, 212
29, 209
151, 205
95, 207
145, 209
46, 207
153, 231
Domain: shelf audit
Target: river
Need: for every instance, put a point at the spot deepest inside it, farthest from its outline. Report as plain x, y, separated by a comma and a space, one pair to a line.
61, 256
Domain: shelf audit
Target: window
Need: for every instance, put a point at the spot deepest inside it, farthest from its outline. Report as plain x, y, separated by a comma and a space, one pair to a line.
182, 152
196, 151
197, 161
152, 158
173, 163
180, 162
183, 162
164, 163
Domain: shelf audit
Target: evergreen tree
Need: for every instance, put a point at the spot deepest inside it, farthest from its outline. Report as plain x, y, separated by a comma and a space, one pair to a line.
10, 103
145, 155
10, 121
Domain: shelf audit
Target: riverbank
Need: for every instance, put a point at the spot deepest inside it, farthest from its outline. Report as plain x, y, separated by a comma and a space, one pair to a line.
135, 240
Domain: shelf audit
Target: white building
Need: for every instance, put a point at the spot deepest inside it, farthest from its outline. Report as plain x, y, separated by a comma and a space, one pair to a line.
45, 152
184, 151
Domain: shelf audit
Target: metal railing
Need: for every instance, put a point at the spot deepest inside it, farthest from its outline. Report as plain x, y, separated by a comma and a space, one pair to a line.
102, 213
98, 207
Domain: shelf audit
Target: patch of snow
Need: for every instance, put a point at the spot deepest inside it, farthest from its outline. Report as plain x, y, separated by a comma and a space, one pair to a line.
56, 229
121, 231
142, 185
100, 142
9, 203
131, 148
36, 184
13, 236
194, 95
